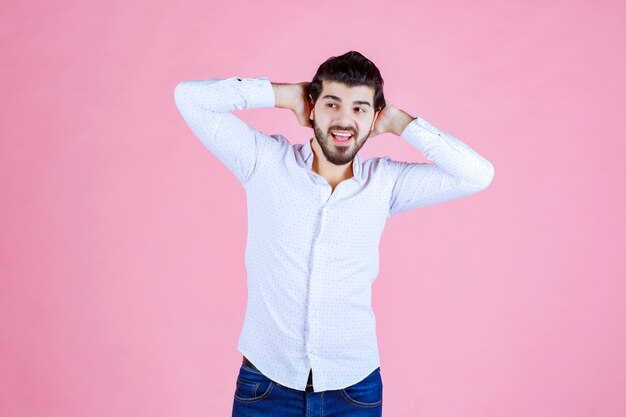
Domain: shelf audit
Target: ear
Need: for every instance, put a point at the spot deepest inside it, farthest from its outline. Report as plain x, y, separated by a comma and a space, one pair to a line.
374, 121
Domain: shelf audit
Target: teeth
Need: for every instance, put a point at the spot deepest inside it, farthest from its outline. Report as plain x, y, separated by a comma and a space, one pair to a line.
342, 134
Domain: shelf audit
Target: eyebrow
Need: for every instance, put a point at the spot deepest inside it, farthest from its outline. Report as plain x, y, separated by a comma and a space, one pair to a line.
330, 96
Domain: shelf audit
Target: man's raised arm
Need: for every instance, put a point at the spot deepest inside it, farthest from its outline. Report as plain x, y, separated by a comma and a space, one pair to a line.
457, 171
206, 106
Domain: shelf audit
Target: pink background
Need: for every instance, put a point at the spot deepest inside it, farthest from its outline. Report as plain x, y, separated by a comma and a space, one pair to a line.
122, 288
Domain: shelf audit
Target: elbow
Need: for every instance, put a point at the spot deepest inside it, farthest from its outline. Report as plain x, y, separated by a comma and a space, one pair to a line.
487, 177
183, 95
483, 179
179, 93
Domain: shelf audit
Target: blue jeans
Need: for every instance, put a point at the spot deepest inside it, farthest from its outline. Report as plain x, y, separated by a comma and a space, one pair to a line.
258, 396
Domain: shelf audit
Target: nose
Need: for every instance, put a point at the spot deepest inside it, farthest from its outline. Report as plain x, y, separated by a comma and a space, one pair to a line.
344, 118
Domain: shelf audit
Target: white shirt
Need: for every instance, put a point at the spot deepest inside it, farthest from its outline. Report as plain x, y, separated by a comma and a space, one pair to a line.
312, 255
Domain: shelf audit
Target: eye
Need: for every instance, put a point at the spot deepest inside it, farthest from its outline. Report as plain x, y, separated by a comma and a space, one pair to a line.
330, 104
360, 109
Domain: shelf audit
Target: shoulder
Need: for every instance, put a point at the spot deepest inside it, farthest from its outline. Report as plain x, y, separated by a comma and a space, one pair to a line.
383, 164
274, 146
376, 163
379, 167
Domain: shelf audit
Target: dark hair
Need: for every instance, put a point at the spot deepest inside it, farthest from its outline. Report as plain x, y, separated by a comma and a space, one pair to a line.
352, 69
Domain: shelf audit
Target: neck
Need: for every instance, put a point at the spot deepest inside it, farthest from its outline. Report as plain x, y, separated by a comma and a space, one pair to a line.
334, 174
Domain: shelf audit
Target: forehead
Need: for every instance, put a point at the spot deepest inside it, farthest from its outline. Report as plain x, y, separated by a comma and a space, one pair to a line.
346, 93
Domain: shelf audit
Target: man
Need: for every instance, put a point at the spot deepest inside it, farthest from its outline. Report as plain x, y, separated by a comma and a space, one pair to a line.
316, 212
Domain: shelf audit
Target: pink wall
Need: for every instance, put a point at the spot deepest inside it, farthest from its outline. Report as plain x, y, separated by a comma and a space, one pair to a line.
122, 288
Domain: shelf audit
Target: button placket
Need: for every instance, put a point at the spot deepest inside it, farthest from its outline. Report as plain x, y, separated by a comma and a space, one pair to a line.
314, 277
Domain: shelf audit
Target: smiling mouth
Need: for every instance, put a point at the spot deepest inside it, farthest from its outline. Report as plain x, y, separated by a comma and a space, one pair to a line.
341, 137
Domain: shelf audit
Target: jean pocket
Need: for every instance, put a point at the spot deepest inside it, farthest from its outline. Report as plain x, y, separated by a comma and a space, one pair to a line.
365, 393
252, 385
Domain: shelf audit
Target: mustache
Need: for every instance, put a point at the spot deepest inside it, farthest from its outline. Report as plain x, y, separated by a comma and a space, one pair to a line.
345, 129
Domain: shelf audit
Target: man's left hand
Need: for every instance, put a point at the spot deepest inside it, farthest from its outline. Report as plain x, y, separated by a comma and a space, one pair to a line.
391, 119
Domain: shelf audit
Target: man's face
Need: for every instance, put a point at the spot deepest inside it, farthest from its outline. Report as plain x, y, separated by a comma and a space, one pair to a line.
340, 111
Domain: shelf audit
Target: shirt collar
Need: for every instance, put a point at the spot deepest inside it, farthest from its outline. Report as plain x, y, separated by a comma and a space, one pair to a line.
307, 156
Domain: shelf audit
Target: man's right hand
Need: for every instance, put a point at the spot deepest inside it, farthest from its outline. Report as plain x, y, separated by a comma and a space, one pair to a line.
295, 98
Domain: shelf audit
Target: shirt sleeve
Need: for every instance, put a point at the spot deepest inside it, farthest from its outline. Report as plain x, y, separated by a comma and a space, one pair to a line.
457, 170
206, 107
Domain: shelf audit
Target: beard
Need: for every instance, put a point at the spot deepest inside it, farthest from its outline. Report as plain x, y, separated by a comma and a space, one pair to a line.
335, 154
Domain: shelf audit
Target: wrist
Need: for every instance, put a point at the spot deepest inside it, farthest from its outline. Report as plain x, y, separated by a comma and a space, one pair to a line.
400, 121
284, 95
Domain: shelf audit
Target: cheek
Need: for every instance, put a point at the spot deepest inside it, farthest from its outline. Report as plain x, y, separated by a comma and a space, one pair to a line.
366, 125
